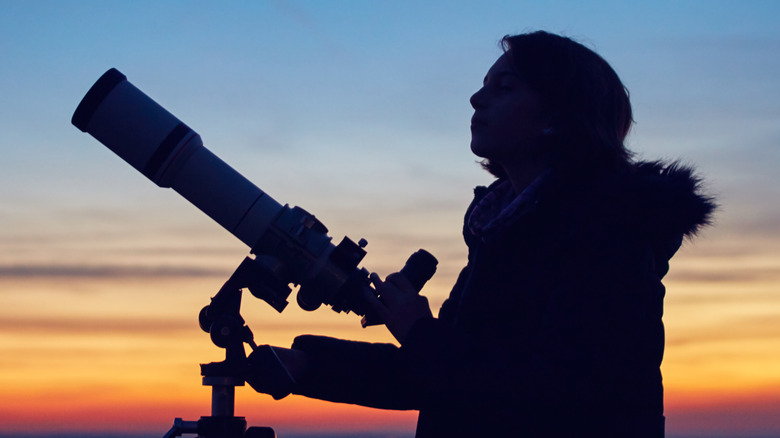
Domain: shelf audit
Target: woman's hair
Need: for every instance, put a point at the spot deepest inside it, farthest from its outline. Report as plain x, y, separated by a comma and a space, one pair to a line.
586, 103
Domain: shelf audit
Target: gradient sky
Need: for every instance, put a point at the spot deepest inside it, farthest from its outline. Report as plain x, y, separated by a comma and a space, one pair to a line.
358, 112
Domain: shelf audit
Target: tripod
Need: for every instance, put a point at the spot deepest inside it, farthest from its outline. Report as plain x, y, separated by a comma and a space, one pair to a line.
222, 320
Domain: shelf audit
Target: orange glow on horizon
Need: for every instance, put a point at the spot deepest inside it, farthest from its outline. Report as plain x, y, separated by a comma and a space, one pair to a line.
112, 353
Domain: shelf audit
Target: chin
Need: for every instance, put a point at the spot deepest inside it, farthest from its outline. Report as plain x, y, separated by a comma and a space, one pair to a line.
477, 150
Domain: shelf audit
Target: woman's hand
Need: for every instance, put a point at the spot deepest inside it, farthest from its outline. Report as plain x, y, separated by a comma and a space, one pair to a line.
275, 370
398, 305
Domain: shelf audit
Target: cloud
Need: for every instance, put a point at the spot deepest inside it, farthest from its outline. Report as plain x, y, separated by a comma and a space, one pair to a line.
93, 325
739, 331
740, 274
106, 271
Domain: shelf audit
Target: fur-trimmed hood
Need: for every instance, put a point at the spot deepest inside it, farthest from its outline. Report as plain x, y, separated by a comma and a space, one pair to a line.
660, 198
651, 198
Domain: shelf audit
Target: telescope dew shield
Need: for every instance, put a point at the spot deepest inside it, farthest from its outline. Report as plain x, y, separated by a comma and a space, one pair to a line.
159, 145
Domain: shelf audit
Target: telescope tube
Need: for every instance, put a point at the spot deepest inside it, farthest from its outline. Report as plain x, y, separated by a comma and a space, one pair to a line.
291, 245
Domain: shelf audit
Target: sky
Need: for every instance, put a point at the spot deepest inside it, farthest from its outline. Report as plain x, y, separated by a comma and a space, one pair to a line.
357, 111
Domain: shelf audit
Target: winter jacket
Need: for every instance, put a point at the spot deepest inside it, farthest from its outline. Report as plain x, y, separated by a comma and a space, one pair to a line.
553, 328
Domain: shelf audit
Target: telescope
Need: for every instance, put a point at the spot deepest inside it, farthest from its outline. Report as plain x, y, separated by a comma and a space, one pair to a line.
290, 245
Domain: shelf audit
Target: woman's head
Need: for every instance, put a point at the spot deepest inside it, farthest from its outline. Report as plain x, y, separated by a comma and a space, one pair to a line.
585, 107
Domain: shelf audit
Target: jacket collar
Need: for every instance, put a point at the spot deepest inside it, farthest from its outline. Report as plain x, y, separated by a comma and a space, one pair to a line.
501, 206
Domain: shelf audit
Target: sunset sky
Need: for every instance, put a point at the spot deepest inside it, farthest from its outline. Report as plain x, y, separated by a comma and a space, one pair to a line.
358, 112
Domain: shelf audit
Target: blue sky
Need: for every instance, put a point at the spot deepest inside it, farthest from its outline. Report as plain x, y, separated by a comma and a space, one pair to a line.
377, 83
357, 111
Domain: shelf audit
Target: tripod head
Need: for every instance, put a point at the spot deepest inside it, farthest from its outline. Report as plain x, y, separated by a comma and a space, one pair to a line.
223, 321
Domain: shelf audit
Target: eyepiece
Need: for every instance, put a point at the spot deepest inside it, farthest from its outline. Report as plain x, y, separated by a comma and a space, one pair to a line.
419, 268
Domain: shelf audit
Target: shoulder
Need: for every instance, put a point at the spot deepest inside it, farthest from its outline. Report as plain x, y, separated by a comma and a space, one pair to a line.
655, 199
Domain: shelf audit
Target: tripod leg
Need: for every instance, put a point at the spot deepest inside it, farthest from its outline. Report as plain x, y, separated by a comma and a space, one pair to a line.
181, 427
260, 432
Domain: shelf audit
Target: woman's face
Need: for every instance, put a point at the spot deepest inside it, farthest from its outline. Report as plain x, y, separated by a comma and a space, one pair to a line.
507, 125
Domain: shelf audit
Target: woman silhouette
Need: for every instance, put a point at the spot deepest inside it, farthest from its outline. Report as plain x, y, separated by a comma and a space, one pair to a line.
554, 326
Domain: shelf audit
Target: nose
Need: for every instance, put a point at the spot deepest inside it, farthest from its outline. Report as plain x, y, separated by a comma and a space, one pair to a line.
476, 99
